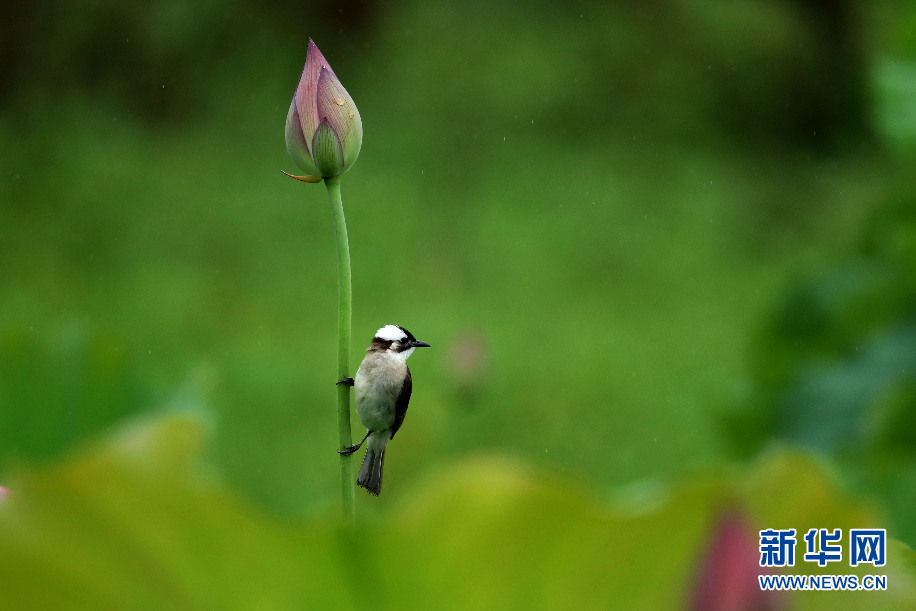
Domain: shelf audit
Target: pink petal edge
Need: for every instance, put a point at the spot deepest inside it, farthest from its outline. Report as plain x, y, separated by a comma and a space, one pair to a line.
307, 90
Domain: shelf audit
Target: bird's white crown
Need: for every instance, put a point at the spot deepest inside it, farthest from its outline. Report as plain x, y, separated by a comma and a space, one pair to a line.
392, 333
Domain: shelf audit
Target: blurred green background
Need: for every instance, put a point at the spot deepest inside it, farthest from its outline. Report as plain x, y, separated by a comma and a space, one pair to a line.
645, 240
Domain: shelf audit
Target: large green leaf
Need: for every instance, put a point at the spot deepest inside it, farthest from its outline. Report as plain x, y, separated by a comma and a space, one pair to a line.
139, 522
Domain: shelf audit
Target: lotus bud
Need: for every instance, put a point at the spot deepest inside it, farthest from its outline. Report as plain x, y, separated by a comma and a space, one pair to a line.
324, 131
727, 576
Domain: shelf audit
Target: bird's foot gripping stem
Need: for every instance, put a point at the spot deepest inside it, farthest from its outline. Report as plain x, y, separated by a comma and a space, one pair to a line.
345, 382
352, 448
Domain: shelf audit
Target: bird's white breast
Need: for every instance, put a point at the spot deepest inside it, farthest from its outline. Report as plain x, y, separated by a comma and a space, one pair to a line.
377, 384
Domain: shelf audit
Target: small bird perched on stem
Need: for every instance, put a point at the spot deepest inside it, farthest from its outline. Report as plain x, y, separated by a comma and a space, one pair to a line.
383, 386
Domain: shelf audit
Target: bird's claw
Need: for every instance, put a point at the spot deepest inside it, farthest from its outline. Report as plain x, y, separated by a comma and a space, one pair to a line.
345, 382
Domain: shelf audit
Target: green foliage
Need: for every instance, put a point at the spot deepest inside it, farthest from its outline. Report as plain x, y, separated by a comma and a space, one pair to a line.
61, 366
835, 365
139, 523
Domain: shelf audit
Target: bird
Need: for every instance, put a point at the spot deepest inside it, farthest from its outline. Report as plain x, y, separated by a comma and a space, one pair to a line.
382, 390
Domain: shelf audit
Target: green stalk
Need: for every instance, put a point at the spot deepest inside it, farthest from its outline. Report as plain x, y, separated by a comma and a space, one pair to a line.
344, 316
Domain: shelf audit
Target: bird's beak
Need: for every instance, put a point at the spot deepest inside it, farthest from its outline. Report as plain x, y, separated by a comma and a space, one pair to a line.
418, 344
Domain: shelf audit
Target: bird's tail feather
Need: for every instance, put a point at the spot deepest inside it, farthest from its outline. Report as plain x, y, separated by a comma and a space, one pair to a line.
370, 473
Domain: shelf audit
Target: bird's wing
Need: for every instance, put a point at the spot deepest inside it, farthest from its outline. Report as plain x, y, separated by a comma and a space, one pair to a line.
400, 409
